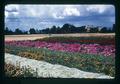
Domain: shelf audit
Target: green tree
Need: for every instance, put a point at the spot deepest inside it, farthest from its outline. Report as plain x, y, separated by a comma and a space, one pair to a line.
104, 30
93, 30
32, 31
53, 29
113, 29
8, 31
18, 31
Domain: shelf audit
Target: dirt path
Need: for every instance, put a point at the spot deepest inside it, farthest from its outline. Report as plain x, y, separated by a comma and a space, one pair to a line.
37, 36
24, 37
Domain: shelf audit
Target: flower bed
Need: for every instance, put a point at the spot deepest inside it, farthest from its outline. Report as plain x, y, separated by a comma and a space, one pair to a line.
16, 71
86, 62
44, 69
106, 50
86, 53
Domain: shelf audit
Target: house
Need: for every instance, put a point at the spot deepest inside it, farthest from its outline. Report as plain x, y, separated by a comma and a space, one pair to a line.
88, 27
99, 28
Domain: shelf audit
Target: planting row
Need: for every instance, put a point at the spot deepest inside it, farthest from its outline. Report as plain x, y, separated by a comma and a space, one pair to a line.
106, 50
83, 40
86, 62
16, 71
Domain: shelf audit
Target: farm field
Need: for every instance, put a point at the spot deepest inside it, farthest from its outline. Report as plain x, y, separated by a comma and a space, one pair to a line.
36, 36
94, 52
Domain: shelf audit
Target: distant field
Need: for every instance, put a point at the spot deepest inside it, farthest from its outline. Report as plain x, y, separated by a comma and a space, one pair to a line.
37, 36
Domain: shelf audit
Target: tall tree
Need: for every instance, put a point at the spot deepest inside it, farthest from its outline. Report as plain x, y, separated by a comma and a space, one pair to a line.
93, 30
32, 31
113, 29
53, 29
82, 29
18, 31
67, 28
104, 30
58, 30
8, 31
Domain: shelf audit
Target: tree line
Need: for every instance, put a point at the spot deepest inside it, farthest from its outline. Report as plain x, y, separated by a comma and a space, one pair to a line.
66, 28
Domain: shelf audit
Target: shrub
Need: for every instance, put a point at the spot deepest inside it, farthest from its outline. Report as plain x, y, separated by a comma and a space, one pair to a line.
31, 55
16, 71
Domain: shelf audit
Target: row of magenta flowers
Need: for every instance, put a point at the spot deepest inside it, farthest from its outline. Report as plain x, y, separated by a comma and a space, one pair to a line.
106, 50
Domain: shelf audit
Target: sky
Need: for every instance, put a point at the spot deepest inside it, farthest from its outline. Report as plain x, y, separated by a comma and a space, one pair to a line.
44, 16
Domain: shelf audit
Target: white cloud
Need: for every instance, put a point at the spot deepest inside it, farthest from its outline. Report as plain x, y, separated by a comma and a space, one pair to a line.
70, 11
54, 13
6, 14
11, 10
65, 11
97, 8
57, 16
11, 7
34, 11
15, 13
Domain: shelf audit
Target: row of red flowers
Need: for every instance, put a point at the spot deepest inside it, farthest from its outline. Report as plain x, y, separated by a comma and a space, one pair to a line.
106, 50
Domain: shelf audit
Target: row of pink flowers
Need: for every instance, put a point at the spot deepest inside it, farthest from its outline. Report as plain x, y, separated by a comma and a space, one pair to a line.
106, 50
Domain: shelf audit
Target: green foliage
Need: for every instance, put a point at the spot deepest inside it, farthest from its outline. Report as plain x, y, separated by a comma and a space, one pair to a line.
32, 31
16, 71
31, 55
86, 40
86, 62
18, 31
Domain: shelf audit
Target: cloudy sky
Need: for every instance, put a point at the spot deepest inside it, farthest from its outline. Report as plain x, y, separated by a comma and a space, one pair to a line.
25, 17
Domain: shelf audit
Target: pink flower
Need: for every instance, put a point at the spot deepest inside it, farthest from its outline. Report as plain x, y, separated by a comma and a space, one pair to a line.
106, 50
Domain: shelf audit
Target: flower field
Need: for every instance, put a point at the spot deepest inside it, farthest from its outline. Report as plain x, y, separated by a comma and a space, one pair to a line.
106, 50
13, 71
93, 54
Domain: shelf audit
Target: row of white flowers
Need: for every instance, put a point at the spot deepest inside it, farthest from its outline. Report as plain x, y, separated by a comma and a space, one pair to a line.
46, 70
